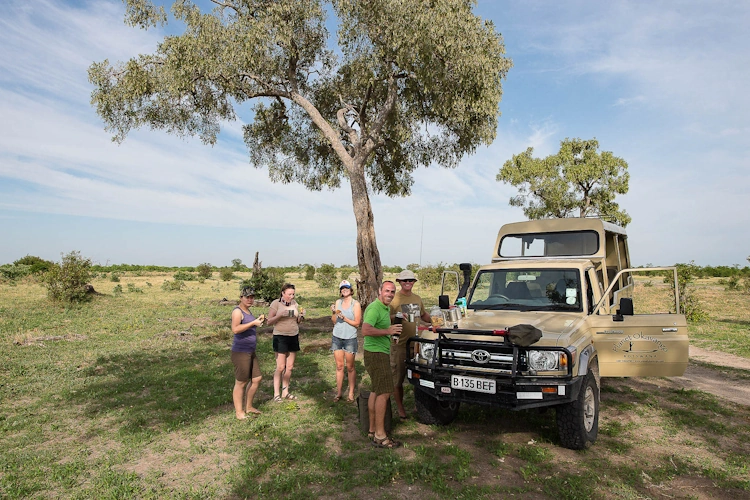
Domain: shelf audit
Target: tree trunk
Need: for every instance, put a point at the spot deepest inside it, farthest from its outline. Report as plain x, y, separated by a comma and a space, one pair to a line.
368, 257
256, 263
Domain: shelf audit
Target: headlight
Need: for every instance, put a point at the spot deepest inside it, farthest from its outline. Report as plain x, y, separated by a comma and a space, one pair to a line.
427, 351
543, 361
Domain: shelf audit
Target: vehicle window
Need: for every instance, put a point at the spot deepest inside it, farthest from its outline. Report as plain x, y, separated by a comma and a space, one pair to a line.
527, 289
561, 244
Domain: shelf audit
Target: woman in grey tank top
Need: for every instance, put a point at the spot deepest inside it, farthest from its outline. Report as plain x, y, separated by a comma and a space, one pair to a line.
346, 315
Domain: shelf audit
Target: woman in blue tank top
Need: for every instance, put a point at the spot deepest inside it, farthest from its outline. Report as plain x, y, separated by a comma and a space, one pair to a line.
346, 315
245, 362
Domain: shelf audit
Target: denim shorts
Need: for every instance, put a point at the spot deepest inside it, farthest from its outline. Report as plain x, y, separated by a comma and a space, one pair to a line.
348, 345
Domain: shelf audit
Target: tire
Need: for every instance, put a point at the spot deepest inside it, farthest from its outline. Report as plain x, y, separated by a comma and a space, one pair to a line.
431, 411
578, 421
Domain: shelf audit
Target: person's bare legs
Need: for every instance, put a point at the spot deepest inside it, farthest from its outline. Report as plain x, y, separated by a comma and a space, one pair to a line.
237, 394
351, 373
398, 395
381, 404
278, 373
287, 376
338, 356
251, 390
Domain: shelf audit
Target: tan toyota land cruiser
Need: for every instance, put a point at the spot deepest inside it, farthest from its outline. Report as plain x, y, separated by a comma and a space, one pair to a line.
571, 281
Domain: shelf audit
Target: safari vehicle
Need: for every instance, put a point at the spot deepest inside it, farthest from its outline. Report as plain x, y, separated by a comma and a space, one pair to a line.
569, 282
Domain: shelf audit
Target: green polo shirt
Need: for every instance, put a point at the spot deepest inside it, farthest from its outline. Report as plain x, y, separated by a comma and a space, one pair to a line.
378, 315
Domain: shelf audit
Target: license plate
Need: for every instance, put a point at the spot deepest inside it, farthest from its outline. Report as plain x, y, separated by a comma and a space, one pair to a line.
473, 384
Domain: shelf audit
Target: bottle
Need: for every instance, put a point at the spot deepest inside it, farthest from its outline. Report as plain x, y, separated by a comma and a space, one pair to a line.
398, 319
436, 317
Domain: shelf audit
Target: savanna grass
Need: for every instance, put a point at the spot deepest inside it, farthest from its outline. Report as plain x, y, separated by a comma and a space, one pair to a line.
129, 396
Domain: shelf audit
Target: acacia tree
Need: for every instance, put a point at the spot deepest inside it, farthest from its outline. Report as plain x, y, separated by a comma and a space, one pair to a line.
412, 83
577, 178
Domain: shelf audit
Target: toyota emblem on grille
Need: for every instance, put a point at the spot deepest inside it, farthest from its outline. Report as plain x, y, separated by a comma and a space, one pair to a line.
480, 356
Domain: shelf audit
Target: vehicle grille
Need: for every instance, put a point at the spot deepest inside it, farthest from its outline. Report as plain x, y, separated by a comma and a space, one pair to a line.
480, 357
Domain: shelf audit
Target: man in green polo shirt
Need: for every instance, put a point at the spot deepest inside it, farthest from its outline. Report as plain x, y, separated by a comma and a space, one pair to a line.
377, 330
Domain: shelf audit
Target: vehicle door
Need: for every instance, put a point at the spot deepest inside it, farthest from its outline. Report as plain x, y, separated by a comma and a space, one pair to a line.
639, 345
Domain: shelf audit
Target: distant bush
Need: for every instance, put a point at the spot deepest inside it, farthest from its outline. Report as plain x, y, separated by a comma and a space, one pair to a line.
204, 270
114, 277
267, 283
689, 304
346, 271
392, 269
226, 273
12, 272
309, 272
413, 267
173, 286
134, 289
184, 276
117, 289
431, 275
68, 280
325, 275
237, 265
37, 264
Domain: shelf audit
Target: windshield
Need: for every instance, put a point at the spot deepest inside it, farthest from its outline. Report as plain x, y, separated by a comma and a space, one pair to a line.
527, 290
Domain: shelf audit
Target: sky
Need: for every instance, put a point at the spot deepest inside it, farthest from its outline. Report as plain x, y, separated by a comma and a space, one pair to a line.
661, 84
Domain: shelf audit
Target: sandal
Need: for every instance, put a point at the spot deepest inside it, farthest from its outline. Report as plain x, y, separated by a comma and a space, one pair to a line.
386, 442
350, 400
277, 399
370, 436
337, 399
290, 396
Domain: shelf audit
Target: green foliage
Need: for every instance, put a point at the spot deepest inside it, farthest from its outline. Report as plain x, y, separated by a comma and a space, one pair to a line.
38, 265
325, 275
134, 289
392, 269
689, 304
236, 265
114, 277
12, 272
413, 267
173, 286
267, 283
184, 276
431, 275
66, 282
309, 272
117, 289
226, 273
577, 178
346, 271
204, 270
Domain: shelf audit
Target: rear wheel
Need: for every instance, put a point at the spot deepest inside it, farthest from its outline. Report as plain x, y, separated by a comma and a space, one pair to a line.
578, 421
431, 411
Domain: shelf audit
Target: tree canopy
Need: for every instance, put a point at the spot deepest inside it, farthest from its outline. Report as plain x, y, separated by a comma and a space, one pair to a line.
408, 84
577, 178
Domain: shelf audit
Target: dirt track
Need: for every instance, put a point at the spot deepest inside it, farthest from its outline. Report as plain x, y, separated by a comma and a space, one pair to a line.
716, 382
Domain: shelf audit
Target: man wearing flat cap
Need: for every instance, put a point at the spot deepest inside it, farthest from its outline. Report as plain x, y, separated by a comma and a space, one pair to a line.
410, 305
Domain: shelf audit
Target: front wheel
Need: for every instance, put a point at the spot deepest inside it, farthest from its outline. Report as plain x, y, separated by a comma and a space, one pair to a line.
431, 411
578, 421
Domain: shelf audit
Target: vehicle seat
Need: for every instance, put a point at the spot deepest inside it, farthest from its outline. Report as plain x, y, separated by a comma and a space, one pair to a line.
517, 290
535, 290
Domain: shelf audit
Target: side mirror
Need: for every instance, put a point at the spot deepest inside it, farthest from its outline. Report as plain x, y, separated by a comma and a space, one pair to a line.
444, 302
626, 306
626, 309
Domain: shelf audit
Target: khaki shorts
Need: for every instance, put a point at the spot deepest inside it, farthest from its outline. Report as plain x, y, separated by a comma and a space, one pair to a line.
377, 365
242, 362
398, 364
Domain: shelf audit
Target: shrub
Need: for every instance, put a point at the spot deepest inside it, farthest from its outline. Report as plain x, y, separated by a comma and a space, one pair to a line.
689, 304
309, 272
267, 283
325, 275
226, 273
173, 286
12, 272
117, 289
236, 265
66, 281
431, 275
37, 264
184, 276
347, 271
134, 289
115, 277
204, 270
